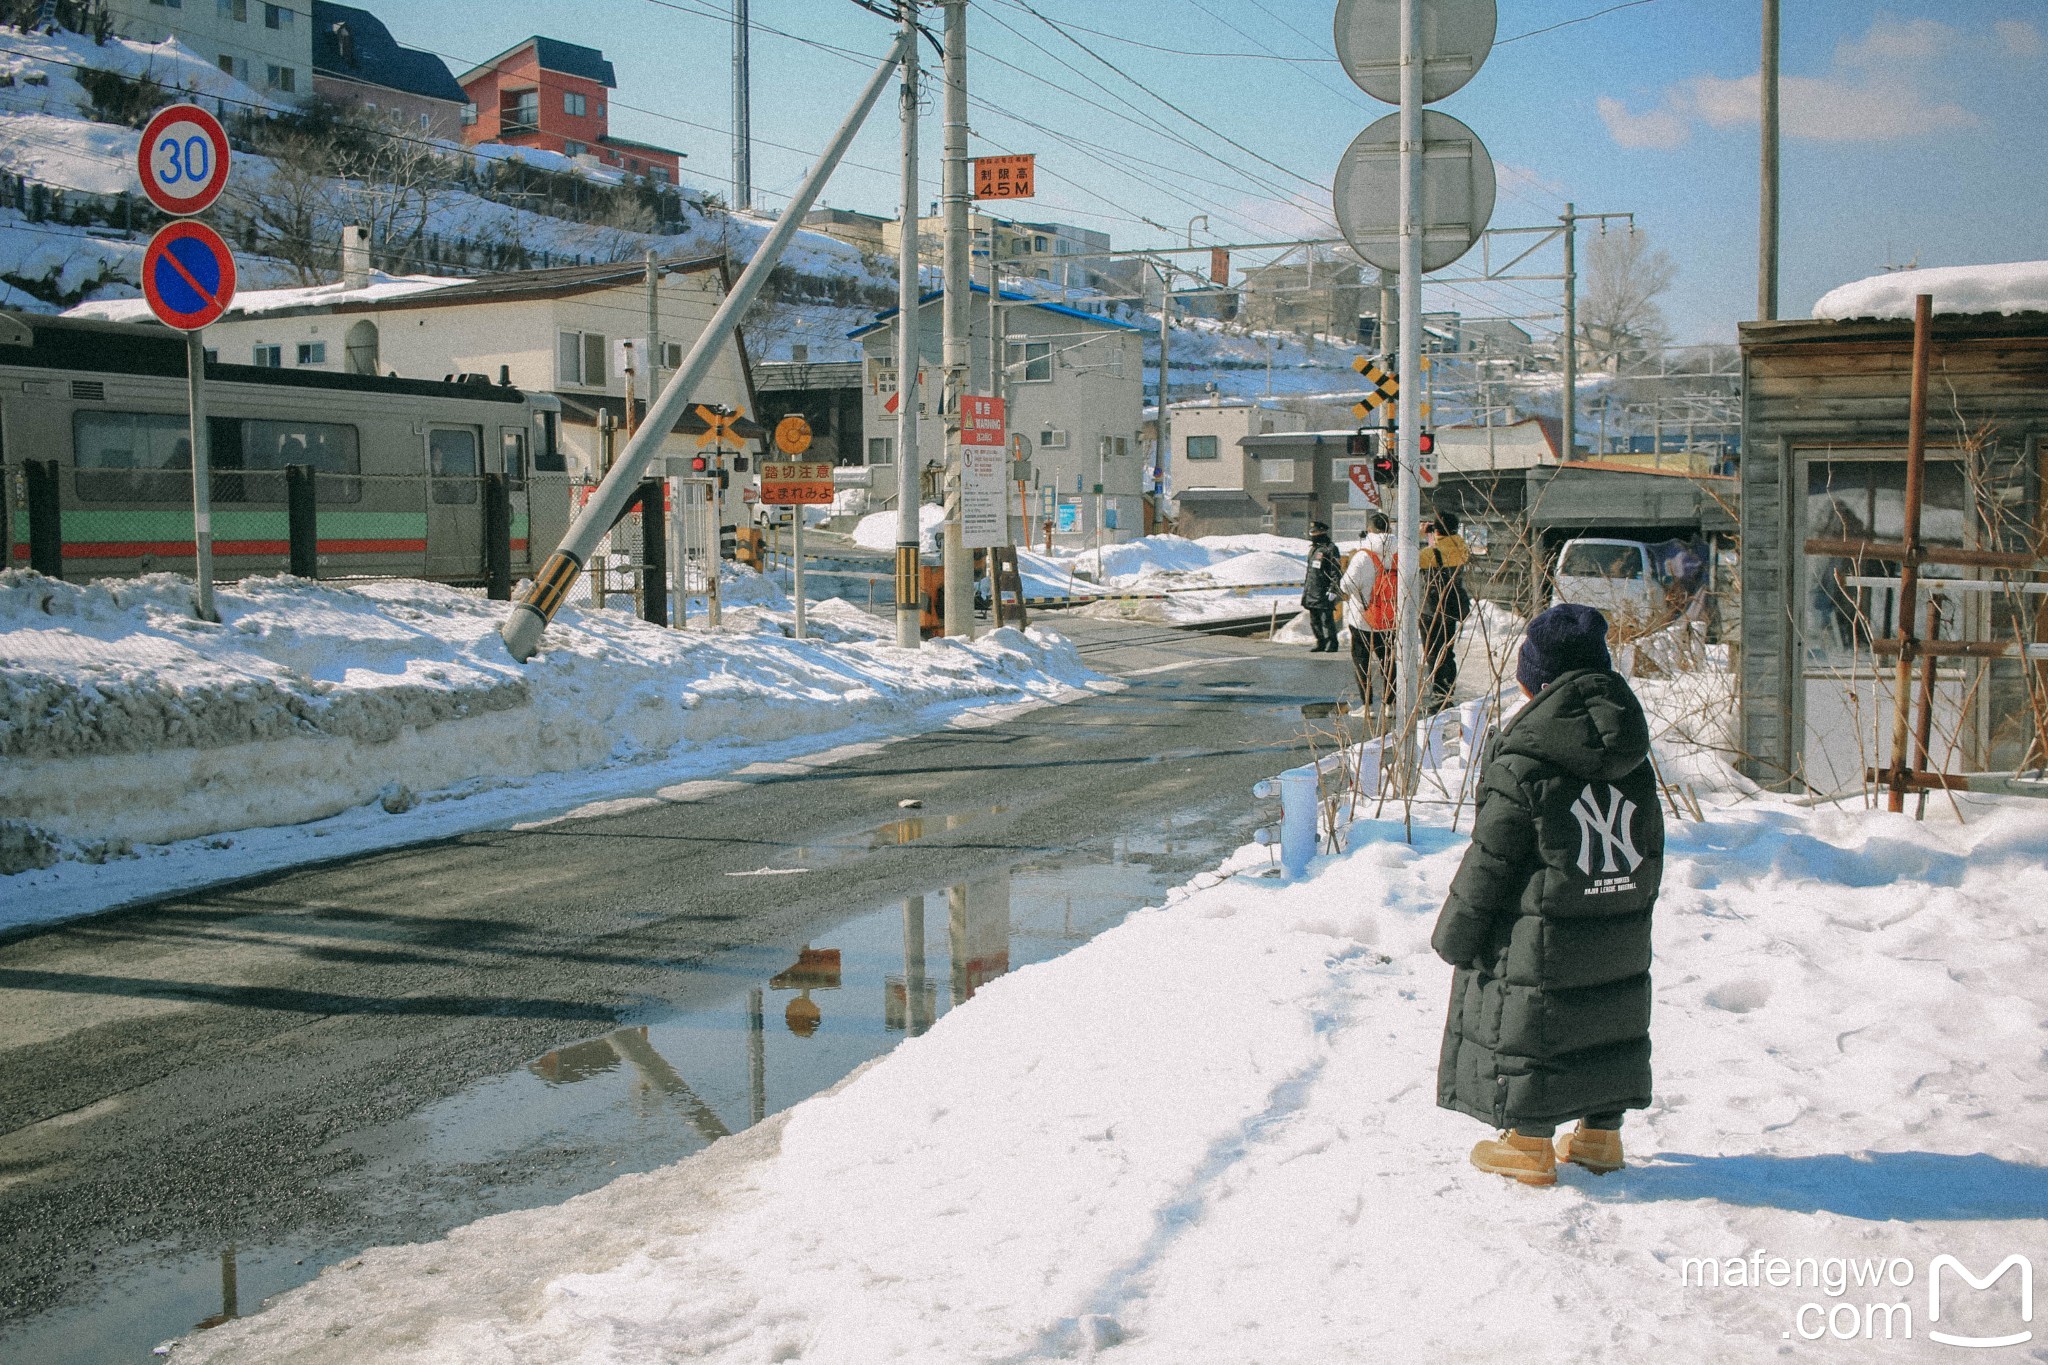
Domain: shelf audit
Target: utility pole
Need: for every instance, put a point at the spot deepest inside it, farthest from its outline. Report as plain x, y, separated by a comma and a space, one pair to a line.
908, 345
1571, 333
742, 112
1767, 210
1163, 428
1390, 336
1408, 600
958, 344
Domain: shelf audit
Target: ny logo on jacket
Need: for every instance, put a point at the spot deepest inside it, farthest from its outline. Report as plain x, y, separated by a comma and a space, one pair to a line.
1613, 827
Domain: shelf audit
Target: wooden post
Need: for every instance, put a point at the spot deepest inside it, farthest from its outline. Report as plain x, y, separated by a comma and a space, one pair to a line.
302, 519
1909, 570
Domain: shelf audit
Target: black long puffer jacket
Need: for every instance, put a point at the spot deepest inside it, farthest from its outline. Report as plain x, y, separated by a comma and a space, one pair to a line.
1548, 919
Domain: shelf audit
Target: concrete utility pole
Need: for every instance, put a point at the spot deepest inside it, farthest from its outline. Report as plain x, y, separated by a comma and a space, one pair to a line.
908, 346
1408, 644
1571, 333
742, 112
1767, 209
1163, 428
958, 344
531, 613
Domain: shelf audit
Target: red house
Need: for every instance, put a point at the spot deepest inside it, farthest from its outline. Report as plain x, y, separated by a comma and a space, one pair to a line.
550, 94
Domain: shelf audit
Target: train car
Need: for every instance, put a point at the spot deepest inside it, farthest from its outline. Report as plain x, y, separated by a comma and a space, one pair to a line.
400, 462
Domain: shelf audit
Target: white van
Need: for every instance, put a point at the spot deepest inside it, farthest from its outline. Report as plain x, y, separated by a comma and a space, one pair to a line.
1616, 576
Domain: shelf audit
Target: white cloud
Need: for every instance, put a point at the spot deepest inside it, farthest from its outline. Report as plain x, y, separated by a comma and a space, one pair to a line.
2019, 38
1894, 42
1661, 129
1827, 108
1872, 94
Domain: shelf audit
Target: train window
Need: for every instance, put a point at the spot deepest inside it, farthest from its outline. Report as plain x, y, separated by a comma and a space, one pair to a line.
330, 448
452, 460
547, 457
131, 456
514, 442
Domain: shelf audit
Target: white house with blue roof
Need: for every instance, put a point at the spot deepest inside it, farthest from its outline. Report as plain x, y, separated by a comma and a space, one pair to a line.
1074, 382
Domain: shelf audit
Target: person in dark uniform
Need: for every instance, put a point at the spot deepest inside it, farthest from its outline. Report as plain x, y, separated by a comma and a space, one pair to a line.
1319, 588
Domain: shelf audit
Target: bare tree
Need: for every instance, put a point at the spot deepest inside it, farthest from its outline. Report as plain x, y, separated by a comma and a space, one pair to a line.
1619, 320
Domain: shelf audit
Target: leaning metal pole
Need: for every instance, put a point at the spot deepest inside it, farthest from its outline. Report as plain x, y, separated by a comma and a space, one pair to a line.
909, 353
538, 604
1408, 647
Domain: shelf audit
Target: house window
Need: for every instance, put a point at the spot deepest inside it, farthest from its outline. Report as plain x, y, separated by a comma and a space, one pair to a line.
277, 17
1276, 471
881, 450
599, 111
426, 122
571, 147
267, 357
169, 4
469, 115
237, 10
582, 358
283, 79
1202, 447
227, 63
661, 175
672, 355
1031, 362
312, 353
574, 104
1052, 438
520, 112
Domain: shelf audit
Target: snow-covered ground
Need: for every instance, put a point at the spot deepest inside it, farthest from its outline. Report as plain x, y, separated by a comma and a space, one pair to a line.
147, 751
1177, 581
1211, 1135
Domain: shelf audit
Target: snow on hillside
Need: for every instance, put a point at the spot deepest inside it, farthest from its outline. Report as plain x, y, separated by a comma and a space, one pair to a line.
1078, 1165
2014, 287
45, 68
125, 722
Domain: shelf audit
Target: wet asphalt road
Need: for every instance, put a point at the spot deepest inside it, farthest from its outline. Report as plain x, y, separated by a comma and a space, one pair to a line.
200, 1072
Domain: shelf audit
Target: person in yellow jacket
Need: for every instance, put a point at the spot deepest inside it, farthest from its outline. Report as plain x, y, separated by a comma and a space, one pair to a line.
1444, 605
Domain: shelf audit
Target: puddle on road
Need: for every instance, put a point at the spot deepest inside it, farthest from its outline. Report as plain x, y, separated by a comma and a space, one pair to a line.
742, 1035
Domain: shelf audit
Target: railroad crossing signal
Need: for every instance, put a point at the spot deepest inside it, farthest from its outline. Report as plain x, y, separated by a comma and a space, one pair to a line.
1386, 386
718, 425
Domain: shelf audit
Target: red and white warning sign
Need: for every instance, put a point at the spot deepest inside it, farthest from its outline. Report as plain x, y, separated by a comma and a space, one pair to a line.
1364, 492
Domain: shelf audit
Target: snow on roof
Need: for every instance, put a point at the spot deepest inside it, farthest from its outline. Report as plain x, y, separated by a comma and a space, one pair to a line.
2013, 287
1008, 296
252, 302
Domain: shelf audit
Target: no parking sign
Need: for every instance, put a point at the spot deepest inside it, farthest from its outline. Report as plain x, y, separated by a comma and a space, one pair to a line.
188, 275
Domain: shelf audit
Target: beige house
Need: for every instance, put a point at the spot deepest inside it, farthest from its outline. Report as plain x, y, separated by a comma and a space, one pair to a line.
269, 46
562, 331
1074, 383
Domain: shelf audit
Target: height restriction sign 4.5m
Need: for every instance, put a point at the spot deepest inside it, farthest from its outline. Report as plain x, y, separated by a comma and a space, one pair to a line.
188, 275
183, 159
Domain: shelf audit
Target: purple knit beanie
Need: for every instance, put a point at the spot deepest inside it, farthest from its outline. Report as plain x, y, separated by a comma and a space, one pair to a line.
1565, 637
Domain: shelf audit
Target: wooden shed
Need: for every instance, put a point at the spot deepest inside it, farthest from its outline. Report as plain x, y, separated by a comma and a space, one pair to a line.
1825, 427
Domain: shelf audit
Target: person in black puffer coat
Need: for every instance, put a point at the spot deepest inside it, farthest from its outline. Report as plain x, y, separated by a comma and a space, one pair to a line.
1319, 588
1548, 918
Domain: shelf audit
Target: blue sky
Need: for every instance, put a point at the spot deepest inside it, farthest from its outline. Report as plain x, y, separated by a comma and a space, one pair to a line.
1913, 131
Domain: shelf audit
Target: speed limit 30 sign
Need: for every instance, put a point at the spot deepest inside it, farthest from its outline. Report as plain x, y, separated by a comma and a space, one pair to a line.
183, 160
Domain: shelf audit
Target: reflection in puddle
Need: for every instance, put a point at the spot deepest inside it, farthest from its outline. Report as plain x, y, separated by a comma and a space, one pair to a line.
708, 1056
1318, 710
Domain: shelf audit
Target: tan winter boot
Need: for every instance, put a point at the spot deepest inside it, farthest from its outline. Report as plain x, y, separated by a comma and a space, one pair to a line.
1596, 1149
1527, 1159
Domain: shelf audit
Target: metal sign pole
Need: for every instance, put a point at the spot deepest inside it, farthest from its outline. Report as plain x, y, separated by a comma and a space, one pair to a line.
909, 349
796, 555
202, 471
530, 614
1408, 647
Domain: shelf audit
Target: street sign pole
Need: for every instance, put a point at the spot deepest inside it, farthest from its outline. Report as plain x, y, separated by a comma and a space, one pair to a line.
202, 471
909, 352
796, 554
1408, 647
